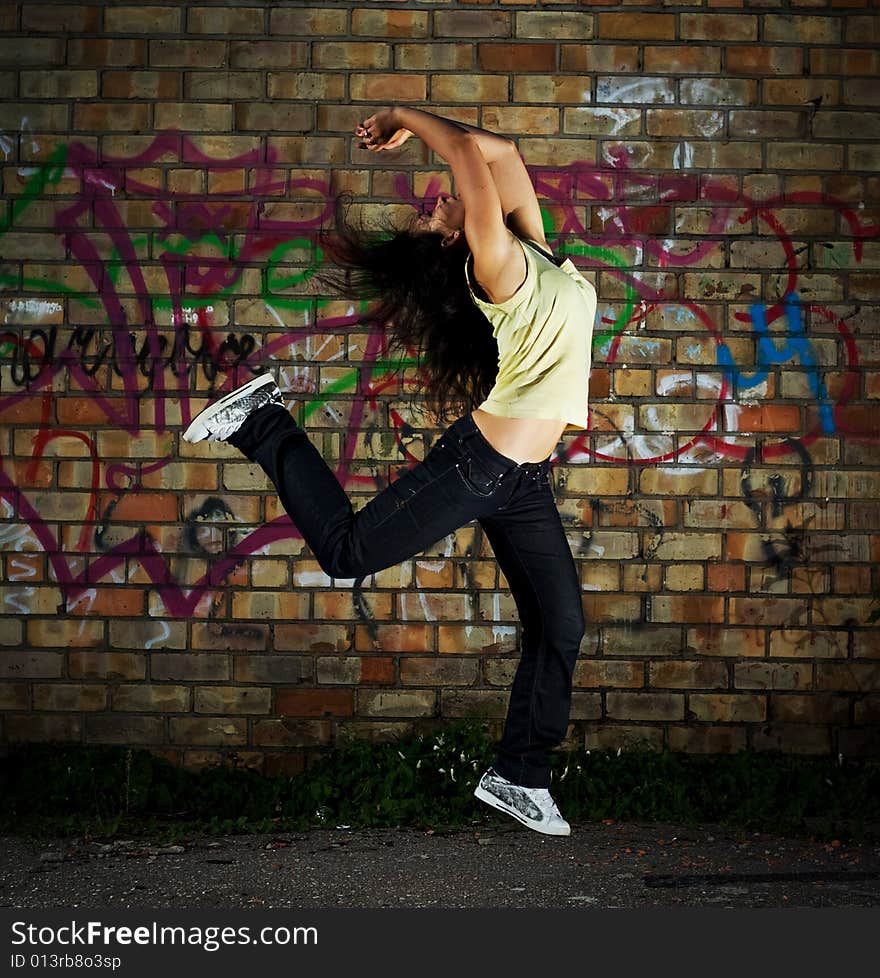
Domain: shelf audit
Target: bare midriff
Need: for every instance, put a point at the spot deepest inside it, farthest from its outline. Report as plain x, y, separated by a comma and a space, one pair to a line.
520, 439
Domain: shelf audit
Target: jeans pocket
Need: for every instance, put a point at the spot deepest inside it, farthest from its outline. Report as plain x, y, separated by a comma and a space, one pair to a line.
477, 478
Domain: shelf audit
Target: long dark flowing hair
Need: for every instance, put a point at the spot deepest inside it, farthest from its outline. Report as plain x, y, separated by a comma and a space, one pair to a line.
420, 300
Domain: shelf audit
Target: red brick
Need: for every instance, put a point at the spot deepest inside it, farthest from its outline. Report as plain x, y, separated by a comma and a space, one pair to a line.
719, 91
522, 119
141, 84
394, 638
14, 696
472, 23
608, 673
707, 740
291, 733
473, 703
58, 84
718, 27
286, 55
225, 20
69, 697
306, 85
860, 91
700, 674
473, 87
389, 23
486, 639
798, 91
377, 669
434, 57
753, 60
687, 608
792, 739
565, 25
767, 124
206, 731
308, 21
843, 61
611, 736
189, 53
29, 728
314, 702
636, 26
109, 116
728, 707
351, 55
525, 56
769, 417
122, 52
226, 85
605, 57
691, 59
104, 600
312, 637
60, 18
773, 675
273, 117
438, 671
372, 87
612, 607
862, 30
787, 29
644, 706
726, 577
397, 703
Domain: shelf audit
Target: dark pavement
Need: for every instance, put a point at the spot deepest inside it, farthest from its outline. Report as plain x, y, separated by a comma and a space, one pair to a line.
604, 865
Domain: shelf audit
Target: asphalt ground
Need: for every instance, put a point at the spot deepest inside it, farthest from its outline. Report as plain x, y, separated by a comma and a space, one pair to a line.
601, 865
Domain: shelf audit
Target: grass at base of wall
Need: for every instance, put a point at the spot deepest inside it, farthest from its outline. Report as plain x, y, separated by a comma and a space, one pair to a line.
425, 781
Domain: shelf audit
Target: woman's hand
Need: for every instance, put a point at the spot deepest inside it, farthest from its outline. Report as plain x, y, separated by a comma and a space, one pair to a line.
381, 131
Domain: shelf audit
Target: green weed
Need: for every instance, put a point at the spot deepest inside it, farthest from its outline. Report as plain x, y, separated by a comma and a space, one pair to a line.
425, 781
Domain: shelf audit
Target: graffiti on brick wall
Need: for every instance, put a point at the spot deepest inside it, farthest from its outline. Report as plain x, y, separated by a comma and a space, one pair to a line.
148, 261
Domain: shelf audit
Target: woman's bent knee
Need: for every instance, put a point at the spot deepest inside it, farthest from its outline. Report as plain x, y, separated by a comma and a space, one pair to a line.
341, 566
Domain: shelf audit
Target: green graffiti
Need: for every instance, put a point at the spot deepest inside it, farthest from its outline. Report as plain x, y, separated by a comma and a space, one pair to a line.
348, 382
275, 281
46, 285
115, 263
610, 259
185, 245
605, 255
47, 174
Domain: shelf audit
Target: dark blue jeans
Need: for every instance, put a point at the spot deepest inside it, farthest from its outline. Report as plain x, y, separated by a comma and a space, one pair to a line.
462, 478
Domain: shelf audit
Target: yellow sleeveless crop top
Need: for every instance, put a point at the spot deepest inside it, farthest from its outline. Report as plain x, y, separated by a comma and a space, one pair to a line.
544, 333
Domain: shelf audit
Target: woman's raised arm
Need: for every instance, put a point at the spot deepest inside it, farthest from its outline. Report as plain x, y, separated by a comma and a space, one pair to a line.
519, 205
522, 213
491, 180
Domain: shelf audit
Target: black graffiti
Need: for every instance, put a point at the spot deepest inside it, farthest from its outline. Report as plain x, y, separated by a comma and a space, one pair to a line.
28, 356
775, 482
34, 354
212, 510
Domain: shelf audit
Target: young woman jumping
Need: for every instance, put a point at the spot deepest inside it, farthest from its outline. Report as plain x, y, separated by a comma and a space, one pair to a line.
504, 334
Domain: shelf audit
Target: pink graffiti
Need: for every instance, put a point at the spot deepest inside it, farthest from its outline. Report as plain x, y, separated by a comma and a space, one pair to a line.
569, 186
225, 214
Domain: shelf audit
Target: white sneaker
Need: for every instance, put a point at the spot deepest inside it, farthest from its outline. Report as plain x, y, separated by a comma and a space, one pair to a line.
225, 416
532, 806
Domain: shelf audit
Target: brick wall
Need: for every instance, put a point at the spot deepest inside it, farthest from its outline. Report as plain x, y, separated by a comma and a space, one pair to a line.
713, 168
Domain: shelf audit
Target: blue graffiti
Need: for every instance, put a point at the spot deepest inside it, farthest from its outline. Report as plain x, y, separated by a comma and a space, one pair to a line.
797, 346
